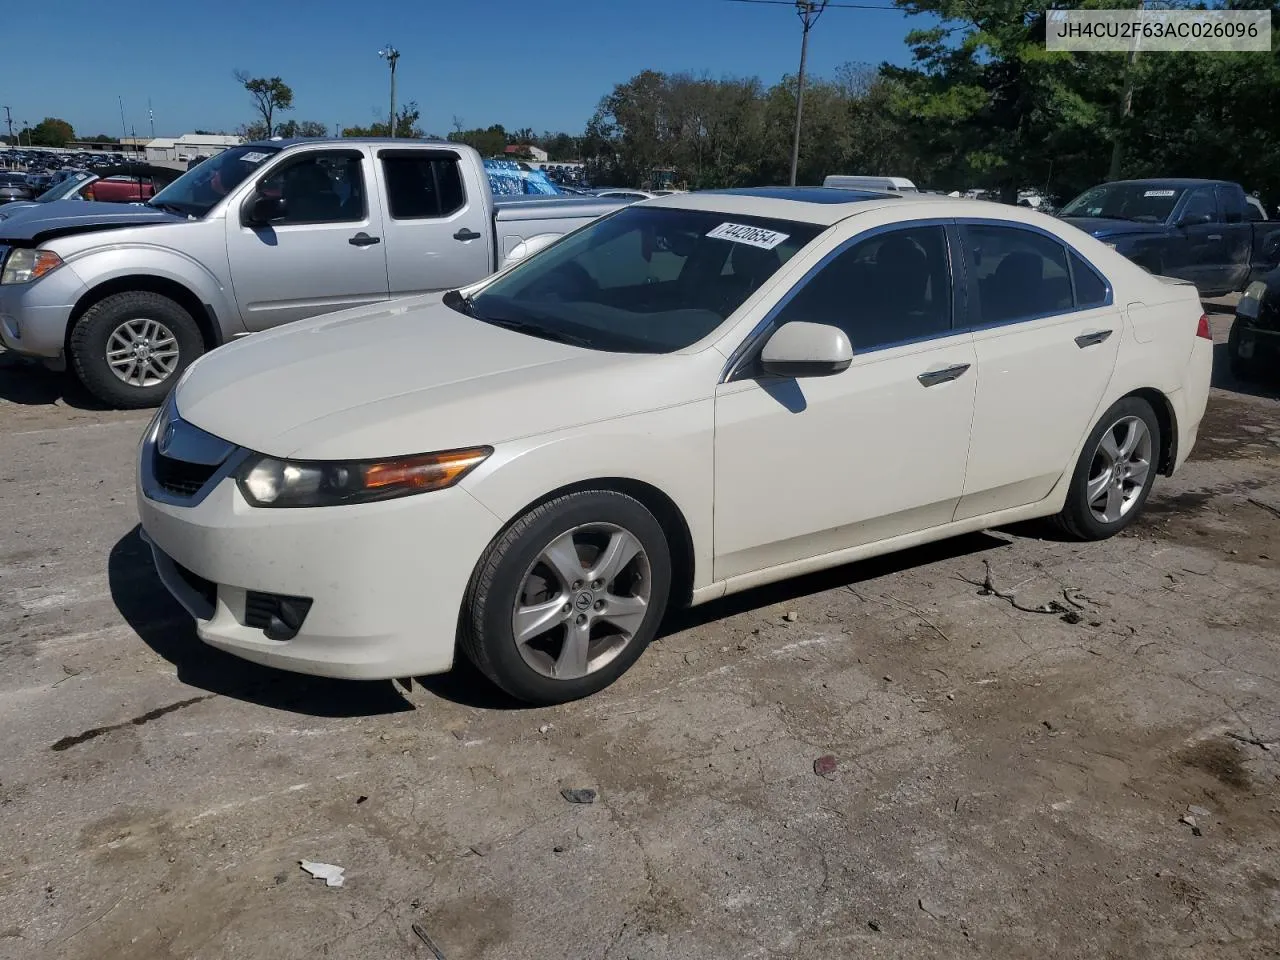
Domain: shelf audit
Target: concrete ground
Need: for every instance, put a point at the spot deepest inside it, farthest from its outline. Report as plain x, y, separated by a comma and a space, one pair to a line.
1005, 783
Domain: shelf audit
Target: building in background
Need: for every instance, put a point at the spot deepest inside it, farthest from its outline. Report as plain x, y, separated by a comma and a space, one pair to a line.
188, 146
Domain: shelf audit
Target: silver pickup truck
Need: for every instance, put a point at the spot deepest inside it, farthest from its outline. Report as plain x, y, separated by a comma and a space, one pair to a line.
256, 236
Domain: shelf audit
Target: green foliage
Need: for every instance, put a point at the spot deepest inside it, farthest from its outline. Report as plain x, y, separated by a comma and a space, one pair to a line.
269, 94
490, 142
50, 132
406, 125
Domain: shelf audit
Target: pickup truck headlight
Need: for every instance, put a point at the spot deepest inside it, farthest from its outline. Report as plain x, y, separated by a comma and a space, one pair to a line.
268, 482
25, 264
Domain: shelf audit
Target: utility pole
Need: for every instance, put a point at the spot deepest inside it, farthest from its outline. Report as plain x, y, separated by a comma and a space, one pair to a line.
809, 11
391, 55
1126, 104
151, 115
124, 130
8, 118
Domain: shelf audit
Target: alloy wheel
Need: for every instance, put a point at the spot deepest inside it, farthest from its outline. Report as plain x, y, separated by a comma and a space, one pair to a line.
581, 601
1119, 471
142, 352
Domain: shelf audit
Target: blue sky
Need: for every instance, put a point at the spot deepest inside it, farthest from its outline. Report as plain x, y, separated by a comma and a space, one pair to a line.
543, 64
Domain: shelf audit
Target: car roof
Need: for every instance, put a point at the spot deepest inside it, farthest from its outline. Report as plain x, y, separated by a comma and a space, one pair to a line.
825, 206
1171, 181
282, 143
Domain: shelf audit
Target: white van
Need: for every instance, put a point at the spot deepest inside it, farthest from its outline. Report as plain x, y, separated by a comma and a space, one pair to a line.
883, 184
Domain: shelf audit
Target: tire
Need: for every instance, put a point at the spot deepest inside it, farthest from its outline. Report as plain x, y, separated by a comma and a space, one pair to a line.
513, 571
150, 318
1241, 368
1078, 518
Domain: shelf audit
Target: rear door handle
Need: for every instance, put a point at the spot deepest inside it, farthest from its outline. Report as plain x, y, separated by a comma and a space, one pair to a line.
1215, 236
932, 378
1092, 339
362, 239
466, 234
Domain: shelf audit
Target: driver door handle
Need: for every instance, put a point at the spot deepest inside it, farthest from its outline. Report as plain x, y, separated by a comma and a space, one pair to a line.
931, 378
362, 239
1215, 236
466, 234
1092, 339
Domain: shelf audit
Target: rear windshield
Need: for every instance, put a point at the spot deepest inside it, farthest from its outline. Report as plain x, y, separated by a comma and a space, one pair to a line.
644, 280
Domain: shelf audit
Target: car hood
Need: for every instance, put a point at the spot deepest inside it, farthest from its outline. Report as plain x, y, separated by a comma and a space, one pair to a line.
413, 376
60, 217
1101, 227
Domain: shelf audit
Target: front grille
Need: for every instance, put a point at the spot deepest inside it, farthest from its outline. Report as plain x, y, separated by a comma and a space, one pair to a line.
180, 478
276, 615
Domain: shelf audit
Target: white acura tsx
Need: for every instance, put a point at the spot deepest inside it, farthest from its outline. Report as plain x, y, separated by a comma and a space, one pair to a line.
687, 398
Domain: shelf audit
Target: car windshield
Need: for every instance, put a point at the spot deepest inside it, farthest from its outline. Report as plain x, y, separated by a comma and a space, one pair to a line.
1144, 202
63, 190
201, 188
645, 280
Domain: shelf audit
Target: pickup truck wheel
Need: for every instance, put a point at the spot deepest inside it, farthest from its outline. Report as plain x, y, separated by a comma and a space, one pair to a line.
568, 597
130, 348
1242, 368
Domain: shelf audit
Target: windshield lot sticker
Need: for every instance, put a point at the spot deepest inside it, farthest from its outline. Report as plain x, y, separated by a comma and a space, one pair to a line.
754, 236
1160, 193
254, 157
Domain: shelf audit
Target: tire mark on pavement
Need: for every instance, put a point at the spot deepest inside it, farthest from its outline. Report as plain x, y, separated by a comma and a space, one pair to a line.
68, 742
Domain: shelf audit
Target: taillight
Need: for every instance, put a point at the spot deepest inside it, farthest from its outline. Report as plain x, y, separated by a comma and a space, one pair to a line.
1203, 331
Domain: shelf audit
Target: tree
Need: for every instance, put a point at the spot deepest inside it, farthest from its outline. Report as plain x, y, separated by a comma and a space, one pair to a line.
269, 94
489, 142
406, 125
51, 132
101, 138
302, 128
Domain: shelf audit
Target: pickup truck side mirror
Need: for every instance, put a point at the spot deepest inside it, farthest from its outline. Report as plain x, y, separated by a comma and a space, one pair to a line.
264, 210
1194, 219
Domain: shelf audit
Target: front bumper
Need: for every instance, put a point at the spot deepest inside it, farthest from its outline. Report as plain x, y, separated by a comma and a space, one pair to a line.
387, 579
34, 316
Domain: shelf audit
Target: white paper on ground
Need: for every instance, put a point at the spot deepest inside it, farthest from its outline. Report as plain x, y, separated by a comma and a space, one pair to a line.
328, 872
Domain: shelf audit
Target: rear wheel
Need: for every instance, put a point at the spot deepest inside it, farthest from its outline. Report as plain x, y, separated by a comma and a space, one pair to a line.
566, 600
1115, 472
129, 349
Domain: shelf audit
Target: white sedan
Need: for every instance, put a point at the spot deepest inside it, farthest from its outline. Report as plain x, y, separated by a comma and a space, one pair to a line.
687, 398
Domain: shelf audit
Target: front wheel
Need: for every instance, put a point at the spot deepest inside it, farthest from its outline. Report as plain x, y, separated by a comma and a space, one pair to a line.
1114, 473
129, 349
568, 597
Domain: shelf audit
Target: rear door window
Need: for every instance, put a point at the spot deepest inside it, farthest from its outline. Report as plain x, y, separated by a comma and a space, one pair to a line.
1017, 274
422, 185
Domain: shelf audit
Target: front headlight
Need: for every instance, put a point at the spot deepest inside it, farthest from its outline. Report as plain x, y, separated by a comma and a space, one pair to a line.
268, 482
1254, 291
25, 264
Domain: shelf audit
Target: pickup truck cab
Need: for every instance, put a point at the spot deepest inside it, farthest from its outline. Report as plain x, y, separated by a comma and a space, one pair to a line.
256, 236
1197, 230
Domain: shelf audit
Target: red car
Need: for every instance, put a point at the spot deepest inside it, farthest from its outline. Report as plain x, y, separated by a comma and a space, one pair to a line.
120, 189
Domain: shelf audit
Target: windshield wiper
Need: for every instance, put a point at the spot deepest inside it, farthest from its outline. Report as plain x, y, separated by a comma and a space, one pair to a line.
534, 330
167, 208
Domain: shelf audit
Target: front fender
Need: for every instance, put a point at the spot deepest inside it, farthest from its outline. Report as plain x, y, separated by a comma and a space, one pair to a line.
103, 265
671, 450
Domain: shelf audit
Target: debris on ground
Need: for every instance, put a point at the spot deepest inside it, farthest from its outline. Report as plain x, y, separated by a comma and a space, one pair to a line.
425, 937
1199, 811
874, 925
361, 799
1072, 617
825, 765
933, 909
791, 616
988, 588
545, 728
330, 873
481, 849
1190, 821
579, 795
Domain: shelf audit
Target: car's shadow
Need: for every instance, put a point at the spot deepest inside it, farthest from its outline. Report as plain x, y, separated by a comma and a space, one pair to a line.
168, 630
1266, 386
31, 385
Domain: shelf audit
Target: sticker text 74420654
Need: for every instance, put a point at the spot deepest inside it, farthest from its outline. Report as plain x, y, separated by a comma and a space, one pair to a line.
742, 233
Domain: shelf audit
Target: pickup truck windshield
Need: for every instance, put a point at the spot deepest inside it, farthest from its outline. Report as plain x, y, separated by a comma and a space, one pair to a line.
200, 189
644, 280
1144, 202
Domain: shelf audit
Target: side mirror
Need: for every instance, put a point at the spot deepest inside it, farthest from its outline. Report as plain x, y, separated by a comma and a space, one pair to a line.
1194, 220
265, 210
800, 349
